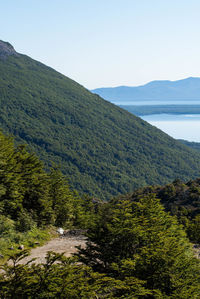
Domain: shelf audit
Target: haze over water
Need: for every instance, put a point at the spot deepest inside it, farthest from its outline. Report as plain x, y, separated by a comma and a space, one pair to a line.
150, 103
178, 126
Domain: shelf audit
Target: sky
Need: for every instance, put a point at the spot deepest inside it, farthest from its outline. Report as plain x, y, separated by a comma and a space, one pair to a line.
101, 43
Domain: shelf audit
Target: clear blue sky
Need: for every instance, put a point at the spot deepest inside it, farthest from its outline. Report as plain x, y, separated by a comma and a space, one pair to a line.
107, 42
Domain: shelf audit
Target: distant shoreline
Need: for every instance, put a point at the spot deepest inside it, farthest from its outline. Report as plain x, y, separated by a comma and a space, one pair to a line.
162, 109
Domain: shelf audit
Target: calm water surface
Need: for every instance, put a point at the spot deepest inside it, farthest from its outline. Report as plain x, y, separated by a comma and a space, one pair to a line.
150, 102
178, 126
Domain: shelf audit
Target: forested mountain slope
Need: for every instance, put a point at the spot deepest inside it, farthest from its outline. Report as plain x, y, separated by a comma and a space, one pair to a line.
191, 144
102, 149
31, 196
32, 200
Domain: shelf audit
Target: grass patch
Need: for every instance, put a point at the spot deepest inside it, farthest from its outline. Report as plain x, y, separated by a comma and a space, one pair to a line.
11, 239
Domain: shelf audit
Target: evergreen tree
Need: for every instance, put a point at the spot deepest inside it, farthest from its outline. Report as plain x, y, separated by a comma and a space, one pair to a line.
62, 199
139, 240
58, 277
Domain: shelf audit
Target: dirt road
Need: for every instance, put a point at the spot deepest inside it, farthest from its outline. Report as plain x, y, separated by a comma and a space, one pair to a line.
65, 244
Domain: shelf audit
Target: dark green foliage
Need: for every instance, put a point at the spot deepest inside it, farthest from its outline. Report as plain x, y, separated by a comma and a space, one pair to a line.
62, 199
24, 221
59, 277
13, 233
135, 249
102, 149
180, 199
193, 229
24, 183
193, 145
30, 196
139, 240
31, 200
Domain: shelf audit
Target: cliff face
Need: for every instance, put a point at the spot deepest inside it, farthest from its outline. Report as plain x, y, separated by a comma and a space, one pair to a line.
6, 50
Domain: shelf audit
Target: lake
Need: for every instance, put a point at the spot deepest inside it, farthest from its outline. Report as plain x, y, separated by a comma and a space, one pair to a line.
179, 126
150, 102
184, 126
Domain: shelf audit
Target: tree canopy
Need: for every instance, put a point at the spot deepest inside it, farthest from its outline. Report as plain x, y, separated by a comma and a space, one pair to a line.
140, 241
102, 149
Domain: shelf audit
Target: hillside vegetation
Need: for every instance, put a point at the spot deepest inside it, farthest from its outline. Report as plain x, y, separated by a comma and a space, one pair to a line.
31, 199
191, 144
101, 149
180, 199
134, 248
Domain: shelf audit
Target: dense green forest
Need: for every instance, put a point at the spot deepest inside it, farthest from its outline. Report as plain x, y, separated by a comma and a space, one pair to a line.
191, 144
138, 245
102, 149
31, 199
180, 199
158, 109
134, 249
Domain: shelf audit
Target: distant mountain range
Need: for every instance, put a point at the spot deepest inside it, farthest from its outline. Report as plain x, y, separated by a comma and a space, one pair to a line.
102, 149
186, 89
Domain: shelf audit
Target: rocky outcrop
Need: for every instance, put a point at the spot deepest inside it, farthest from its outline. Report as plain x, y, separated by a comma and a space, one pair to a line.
6, 50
